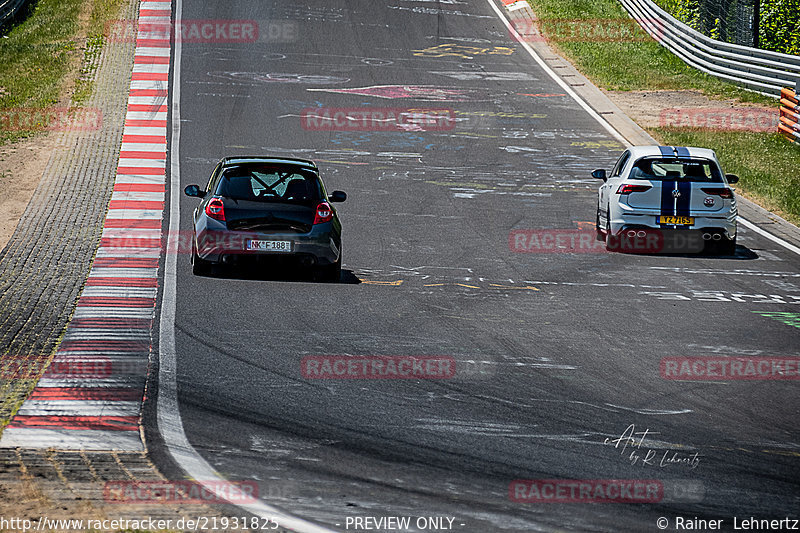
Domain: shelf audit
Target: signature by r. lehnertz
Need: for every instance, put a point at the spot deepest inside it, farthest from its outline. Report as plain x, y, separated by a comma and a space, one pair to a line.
631, 442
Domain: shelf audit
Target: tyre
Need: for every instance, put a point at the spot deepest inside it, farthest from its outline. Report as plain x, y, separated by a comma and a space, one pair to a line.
727, 247
199, 266
599, 233
331, 273
611, 240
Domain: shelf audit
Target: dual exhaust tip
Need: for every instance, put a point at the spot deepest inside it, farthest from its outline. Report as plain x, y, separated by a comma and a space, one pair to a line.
641, 234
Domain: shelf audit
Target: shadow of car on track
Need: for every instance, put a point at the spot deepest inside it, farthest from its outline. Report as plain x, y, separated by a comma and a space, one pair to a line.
284, 273
742, 253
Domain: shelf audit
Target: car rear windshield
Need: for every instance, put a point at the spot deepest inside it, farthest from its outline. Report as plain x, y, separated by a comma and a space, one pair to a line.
662, 169
263, 183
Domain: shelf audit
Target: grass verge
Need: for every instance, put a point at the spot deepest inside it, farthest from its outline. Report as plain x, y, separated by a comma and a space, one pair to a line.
610, 48
37, 55
767, 163
103, 12
601, 40
55, 40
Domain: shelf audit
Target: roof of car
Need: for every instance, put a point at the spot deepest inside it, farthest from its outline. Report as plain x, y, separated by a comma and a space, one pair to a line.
674, 151
289, 161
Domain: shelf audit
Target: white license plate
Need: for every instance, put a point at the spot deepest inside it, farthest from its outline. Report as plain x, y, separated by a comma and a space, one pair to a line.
269, 246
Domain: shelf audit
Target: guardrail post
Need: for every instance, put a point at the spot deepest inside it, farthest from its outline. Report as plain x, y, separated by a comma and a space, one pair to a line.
756, 21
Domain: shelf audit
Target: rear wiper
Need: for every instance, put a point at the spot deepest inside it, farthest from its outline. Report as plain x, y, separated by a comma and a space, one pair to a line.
271, 189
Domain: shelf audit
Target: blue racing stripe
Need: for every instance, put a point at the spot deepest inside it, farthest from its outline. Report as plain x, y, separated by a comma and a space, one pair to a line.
682, 151
666, 151
667, 201
684, 203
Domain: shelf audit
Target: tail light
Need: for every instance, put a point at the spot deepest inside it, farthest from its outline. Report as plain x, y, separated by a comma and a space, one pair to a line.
722, 192
215, 209
324, 213
627, 189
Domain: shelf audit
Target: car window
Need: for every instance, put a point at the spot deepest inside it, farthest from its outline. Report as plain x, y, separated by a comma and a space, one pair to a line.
659, 169
269, 184
621, 163
213, 175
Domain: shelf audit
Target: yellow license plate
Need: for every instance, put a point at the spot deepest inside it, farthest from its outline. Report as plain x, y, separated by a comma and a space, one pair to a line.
676, 221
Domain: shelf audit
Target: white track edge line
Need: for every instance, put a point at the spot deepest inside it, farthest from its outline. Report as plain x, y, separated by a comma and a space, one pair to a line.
607, 125
750, 225
617, 135
169, 423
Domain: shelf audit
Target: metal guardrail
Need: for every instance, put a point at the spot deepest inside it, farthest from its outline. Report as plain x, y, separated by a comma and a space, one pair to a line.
789, 125
760, 70
9, 8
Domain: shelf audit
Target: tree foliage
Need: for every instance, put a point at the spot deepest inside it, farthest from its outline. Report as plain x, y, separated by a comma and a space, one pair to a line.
731, 21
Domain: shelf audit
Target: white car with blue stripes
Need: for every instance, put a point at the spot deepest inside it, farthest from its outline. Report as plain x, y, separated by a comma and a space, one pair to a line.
670, 190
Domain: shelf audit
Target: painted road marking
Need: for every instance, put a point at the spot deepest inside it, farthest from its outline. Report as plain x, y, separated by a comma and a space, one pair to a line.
790, 319
460, 50
731, 272
725, 296
520, 4
430, 93
416, 274
70, 439
80, 406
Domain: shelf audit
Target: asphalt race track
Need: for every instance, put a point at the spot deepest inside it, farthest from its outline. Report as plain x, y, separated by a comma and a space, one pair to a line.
557, 354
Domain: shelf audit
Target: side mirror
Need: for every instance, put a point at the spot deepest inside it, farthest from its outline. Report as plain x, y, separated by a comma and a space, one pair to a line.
338, 196
194, 190
599, 174
732, 178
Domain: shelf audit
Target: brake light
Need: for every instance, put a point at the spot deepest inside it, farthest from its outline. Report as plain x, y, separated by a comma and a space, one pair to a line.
215, 209
324, 213
627, 189
722, 192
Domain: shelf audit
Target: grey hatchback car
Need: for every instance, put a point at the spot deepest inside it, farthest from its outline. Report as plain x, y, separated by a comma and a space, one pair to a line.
269, 209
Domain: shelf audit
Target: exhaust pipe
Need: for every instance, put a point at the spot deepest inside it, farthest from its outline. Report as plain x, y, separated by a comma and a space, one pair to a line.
706, 236
717, 236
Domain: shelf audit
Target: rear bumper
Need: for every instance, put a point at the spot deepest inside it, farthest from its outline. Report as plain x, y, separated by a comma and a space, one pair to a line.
316, 248
722, 223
